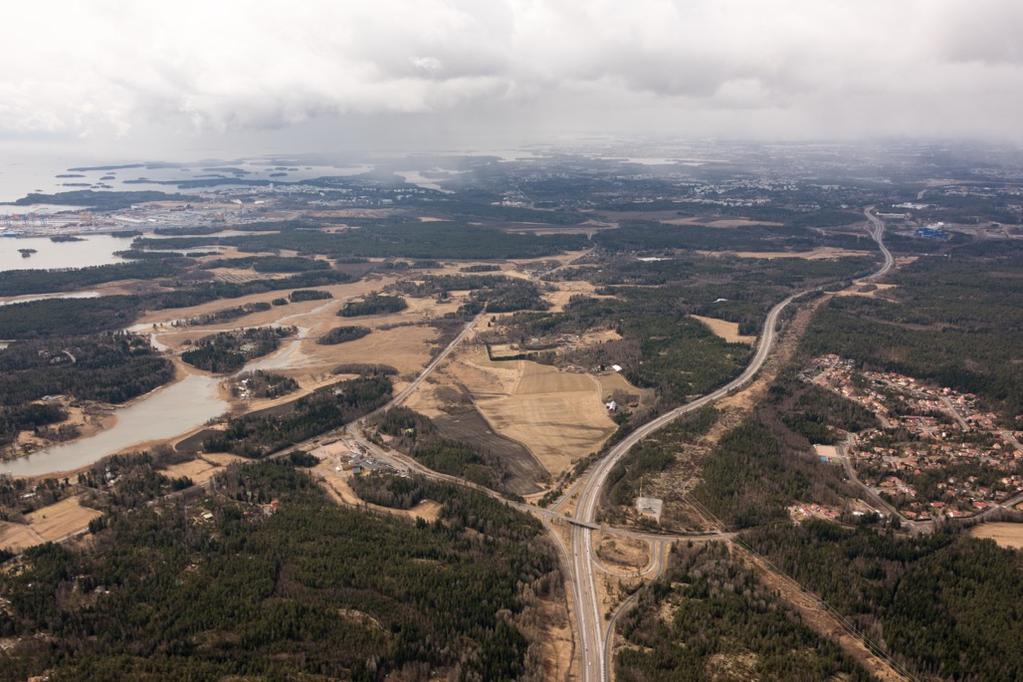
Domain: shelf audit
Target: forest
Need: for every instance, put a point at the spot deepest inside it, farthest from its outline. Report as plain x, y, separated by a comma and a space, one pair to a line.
654, 455
126, 482
364, 368
300, 295
66, 317
944, 605
758, 468
226, 352
417, 435
503, 296
258, 434
815, 413
343, 335
490, 293
652, 236
21, 282
388, 238
111, 367
709, 618
299, 589
955, 321
137, 255
228, 314
271, 263
373, 304
101, 201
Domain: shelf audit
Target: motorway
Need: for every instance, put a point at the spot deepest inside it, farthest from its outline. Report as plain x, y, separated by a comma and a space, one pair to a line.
592, 634
877, 233
591, 630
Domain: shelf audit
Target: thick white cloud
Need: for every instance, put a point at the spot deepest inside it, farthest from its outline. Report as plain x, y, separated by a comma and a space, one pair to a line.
103, 68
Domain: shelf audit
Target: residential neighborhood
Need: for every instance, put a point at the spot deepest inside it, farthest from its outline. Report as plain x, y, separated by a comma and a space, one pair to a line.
937, 452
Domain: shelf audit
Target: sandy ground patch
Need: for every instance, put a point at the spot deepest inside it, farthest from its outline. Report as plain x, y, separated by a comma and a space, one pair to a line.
866, 290
719, 222
60, 519
354, 213
402, 340
407, 349
591, 338
729, 331
219, 251
223, 458
198, 470
240, 275
821, 253
559, 416
427, 510
566, 290
341, 293
337, 487
202, 469
1006, 534
829, 451
557, 644
624, 552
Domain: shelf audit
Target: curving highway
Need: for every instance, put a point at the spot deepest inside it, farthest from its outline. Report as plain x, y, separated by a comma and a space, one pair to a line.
877, 233
591, 627
592, 631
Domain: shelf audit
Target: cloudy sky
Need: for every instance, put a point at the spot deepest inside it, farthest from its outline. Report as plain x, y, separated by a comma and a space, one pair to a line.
257, 75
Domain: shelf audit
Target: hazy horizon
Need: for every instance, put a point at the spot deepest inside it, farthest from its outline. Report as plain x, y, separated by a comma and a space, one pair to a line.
130, 80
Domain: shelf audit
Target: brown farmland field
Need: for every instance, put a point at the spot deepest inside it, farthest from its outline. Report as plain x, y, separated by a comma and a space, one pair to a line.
559, 416
1006, 534
729, 331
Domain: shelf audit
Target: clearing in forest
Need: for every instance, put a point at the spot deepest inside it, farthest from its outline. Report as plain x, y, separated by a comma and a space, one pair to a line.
46, 524
1006, 534
820, 253
729, 331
